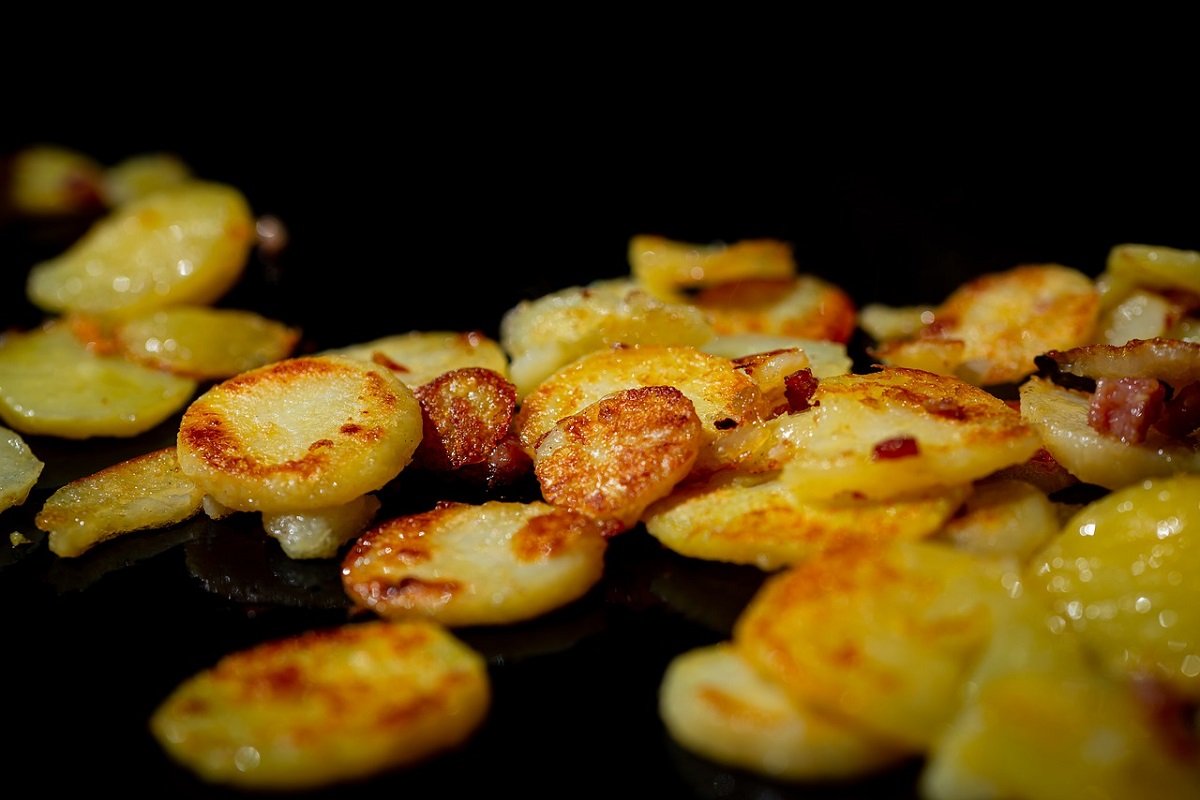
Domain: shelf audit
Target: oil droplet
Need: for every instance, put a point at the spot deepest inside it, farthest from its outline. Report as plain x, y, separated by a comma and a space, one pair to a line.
1142, 605
246, 758
927, 317
1167, 618
1191, 665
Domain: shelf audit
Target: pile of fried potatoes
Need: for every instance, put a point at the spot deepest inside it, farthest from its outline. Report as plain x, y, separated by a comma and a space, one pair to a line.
936, 593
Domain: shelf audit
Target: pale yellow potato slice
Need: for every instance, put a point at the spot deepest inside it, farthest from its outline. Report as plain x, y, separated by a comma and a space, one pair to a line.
900, 431
141, 175
185, 245
149, 491
771, 372
665, 266
1060, 417
825, 359
550, 332
1003, 518
1156, 267
418, 357
759, 520
989, 330
723, 397
715, 704
47, 181
1121, 574
320, 533
490, 564
886, 323
804, 306
1141, 315
205, 343
326, 706
19, 469
620, 454
52, 384
297, 435
883, 637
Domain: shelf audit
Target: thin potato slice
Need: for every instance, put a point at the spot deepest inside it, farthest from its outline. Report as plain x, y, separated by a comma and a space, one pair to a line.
1141, 315
1060, 417
899, 431
142, 175
205, 343
418, 357
1003, 518
298, 435
466, 413
825, 359
326, 706
320, 533
149, 491
49, 181
664, 266
880, 637
1156, 267
989, 330
186, 245
713, 703
620, 454
804, 306
52, 384
19, 469
491, 564
760, 521
550, 332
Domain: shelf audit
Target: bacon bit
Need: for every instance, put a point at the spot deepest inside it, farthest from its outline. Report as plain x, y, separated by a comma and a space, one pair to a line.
799, 388
899, 447
725, 424
1181, 415
1126, 408
380, 358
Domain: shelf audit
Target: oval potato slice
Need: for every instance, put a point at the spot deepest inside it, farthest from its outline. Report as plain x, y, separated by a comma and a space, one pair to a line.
185, 245
713, 703
418, 357
466, 413
805, 306
665, 266
1156, 267
19, 469
1003, 518
301, 434
476, 565
52, 384
326, 706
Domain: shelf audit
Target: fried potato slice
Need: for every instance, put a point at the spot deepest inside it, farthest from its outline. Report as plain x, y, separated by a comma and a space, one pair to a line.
758, 520
665, 266
1060, 417
723, 397
550, 332
417, 357
805, 306
1118, 574
1156, 267
882, 637
1141, 315
887, 323
52, 384
297, 435
205, 343
149, 491
320, 533
900, 431
185, 245
490, 564
141, 175
714, 704
48, 181
621, 453
326, 706
989, 330
1003, 518
771, 372
19, 469
466, 413
825, 358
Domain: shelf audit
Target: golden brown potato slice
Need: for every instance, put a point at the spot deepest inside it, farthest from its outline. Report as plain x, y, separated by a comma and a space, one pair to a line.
1156, 267
620, 454
418, 357
664, 266
1118, 574
320, 533
19, 469
825, 359
186, 245
900, 431
149, 491
138, 176
883, 637
298, 435
758, 520
476, 565
52, 384
1003, 518
49, 180
205, 343
466, 413
1060, 417
804, 306
714, 704
989, 330
550, 332
326, 706
886, 323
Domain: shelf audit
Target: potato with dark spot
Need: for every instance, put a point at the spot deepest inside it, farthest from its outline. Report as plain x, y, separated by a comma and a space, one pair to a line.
466, 413
804, 306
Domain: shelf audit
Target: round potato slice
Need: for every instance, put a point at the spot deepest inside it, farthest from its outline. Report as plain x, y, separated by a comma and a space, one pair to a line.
467, 412
183, 245
664, 266
326, 706
804, 306
301, 434
715, 704
418, 357
19, 469
476, 565
52, 384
